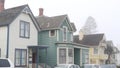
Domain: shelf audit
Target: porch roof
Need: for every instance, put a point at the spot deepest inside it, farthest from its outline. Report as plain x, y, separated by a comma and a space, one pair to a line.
38, 46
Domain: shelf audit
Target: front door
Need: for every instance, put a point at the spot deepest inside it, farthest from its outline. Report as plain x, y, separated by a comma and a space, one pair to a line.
34, 55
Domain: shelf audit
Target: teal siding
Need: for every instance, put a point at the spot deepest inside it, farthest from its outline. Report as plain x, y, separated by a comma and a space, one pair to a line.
44, 39
77, 56
84, 52
68, 31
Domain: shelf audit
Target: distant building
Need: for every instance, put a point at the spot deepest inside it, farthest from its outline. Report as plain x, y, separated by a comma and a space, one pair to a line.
97, 44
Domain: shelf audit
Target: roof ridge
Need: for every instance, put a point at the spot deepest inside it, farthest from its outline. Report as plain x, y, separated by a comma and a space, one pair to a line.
16, 7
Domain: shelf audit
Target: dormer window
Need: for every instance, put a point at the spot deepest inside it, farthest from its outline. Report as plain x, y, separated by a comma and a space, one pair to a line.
52, 33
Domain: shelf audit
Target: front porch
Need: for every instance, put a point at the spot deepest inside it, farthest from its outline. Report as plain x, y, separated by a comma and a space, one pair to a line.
34, 56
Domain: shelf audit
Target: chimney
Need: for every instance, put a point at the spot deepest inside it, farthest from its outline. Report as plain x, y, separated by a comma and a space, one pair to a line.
2, 5
81, 34
41, 11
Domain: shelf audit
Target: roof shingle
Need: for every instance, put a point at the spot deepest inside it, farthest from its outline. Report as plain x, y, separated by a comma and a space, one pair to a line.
8, 15
92, 39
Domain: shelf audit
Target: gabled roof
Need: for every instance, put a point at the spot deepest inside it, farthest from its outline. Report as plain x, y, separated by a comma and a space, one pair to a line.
8, 15
47, 23
73, 26
91, 40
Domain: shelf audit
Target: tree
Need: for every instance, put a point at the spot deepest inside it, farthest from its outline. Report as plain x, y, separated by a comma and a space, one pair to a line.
109, 51
90, 26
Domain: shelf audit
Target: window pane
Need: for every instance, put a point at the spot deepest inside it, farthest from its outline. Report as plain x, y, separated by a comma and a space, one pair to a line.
62, 56
22, 29
70, 55
27, 30
17, 57
23, 58
65, 33
52, 33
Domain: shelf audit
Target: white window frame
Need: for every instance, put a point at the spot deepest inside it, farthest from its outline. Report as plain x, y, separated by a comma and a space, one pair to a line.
50, 33
67, 56
65, 39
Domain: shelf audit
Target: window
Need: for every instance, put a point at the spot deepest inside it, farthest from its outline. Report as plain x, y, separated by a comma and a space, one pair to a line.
62, 55
70, 55
95, 50
71, 37
20, 57
65, 33
86, 58
52, 33
24, 29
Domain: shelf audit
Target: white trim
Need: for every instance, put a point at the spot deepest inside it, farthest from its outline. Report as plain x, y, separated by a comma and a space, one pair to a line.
80, 47
66, 33
58, 54
67, 56
57, 35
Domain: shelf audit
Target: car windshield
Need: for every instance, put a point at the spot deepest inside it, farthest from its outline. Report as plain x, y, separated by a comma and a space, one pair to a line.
4, 63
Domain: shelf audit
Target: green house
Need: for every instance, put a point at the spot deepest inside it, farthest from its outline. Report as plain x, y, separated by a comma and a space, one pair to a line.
57, 33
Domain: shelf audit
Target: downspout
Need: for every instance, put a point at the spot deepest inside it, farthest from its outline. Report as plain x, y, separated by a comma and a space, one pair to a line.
7, 51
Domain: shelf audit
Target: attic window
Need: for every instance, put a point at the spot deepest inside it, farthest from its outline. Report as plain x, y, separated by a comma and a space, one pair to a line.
52, 33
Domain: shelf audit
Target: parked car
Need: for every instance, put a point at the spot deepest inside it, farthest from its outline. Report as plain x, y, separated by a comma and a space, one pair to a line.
67, 66
91, 66
6, 63
108, 66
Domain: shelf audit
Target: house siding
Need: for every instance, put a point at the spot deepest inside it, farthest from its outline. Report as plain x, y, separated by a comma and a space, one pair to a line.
68, 31
15, 41
44, 39
3, 41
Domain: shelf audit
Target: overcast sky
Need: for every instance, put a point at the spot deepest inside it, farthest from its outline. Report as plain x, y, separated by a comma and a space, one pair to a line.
105, 12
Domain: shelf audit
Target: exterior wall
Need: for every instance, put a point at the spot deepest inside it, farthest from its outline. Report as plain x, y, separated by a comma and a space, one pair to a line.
68, 32
95, 58
15, 41
3, 41
44, 39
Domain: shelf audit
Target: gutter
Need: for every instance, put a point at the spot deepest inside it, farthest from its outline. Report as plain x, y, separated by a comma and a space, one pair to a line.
7, 51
